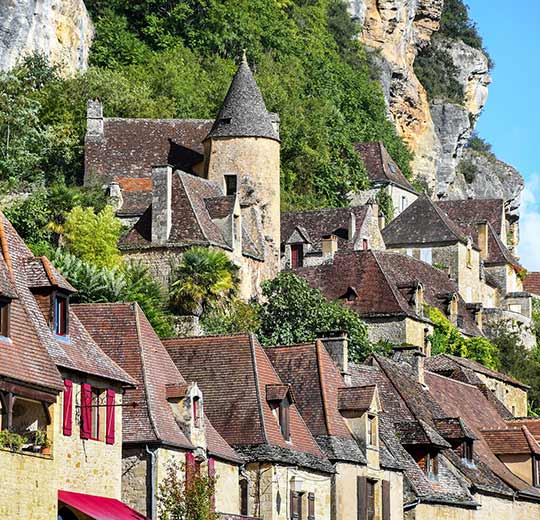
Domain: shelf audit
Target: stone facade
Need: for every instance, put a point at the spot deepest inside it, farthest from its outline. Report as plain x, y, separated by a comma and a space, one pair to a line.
399, 331
513, 397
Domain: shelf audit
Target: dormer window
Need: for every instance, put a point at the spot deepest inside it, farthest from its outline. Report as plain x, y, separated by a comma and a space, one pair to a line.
432, 466
5, 308
284, 418
60, 314
372, 430
197, 411
536, 471
468, 451
280, 398
231, 184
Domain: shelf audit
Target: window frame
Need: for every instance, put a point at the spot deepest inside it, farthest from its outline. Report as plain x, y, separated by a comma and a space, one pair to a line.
231, 184
468, 451
371, 509
196, 410
372, 430
299, 248
284, 418
60, 315
432, 465
536, 471
5, 318
95, 413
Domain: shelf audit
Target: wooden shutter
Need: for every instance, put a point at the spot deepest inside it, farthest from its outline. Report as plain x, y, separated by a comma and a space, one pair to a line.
311, 506
295, 505
190, 467
361, 498
86, 411
385, 500
111, 401
68, 408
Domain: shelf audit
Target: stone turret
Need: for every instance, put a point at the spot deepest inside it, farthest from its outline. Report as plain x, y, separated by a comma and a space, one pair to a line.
242, 154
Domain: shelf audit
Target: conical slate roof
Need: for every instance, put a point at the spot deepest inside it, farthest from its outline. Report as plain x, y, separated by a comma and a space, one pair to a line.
244, 113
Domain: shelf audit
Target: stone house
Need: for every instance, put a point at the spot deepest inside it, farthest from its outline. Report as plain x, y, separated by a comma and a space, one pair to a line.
55, 381
438, 425
344, 421
386, 175
179, 183
286, 474
168, 425
508, 391
313, 237
389, 291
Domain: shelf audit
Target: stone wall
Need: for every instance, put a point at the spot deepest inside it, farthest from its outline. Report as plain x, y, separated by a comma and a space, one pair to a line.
387, 329
513, 397
227, 487
135, 479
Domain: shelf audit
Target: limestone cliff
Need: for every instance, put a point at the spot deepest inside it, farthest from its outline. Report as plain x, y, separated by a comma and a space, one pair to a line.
437, 131
60, 29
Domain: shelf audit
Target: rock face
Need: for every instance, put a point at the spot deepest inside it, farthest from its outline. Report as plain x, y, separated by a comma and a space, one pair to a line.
436, 131
60, 29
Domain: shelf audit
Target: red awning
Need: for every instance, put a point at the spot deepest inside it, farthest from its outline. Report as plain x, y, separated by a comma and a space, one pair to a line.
99, 508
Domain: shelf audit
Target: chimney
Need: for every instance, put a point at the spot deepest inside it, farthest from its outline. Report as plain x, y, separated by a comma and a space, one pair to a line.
115, 195
94, 118
161, 203
337, 345
414, 357
329, 245
352, 226
483, 239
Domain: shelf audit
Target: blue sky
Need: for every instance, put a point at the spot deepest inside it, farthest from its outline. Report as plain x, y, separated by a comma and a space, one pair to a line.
512, 115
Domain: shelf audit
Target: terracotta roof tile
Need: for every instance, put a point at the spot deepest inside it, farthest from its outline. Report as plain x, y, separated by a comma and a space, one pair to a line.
511, 441
356, 397
532, 283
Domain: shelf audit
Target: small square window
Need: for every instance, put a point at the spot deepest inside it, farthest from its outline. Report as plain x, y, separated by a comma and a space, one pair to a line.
4, 318
61, 308
197, 413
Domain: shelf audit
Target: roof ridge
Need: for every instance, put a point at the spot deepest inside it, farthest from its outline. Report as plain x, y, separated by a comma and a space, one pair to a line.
257, 388
318, 354
448, 222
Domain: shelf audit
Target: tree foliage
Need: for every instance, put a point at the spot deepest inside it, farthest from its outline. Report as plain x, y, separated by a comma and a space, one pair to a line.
446, 339
386, 205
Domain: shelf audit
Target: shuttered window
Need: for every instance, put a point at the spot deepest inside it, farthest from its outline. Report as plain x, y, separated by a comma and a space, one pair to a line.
67, 423
311, 506
86, 411
296, 505
110, 430
370, 500
284, 418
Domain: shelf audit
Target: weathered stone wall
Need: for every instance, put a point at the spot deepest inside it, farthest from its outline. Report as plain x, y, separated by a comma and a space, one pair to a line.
59, 29
387, 329
514, 398
227, 488
135, 479
416, 332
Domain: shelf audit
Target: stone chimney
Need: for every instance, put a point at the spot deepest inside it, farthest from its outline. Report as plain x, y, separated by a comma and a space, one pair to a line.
337, 345
483, 239
329, 245
352, 226
161, 203
94, 118
414, 357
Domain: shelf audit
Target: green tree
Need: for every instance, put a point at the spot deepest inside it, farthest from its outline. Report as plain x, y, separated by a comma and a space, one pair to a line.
91, 236
181, 499
203, 279
386, 205
238, 316
293, 312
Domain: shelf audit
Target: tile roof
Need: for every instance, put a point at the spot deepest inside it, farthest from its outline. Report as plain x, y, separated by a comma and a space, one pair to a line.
446, 363
243, 113
234, 372
379, 280
532, 424
197, 208
505, 441
453, 428
381, 168
130, 147
356, 397
315, 224
532, 283
317, 384
34, 350
123, 331
422, 223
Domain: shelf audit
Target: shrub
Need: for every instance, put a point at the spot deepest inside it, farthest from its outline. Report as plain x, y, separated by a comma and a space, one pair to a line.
386, 205
468, 169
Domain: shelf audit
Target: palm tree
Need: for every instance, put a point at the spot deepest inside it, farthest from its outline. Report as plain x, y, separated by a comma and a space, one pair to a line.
204, 278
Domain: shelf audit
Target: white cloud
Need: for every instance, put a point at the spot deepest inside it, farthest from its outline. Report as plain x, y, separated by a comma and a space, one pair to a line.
529, 223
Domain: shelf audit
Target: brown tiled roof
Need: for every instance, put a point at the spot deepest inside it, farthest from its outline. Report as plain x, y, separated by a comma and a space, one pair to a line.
130, 147
532, 283
511, 441
34, 362
532, 424
423, 223
446, 363
381, 168
197, 206
453, 428
124, 332
379, 279
315, 224
234, 372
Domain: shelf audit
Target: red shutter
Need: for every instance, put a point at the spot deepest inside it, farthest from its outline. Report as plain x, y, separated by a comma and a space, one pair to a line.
68, 407
212, 474
86, 410
111, 401
190, 467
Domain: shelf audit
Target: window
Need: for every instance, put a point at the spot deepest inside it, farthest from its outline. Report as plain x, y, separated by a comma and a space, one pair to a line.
372, 430
469, 256
4, 318
403, 203
61, 315
284, 418
426, 255
231, 184
432, 466
197, 411
296, 505
311, 506
297, 256
536, 471
244, 490
94, 428
370, 499
365, 244
468, 451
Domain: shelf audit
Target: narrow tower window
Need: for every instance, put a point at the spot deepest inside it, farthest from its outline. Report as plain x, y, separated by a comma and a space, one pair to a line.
231, 184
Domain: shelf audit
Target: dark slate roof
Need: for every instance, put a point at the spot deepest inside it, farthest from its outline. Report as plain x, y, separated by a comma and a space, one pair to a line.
315, 224
380, 280
124, 333
233, 373
316, 383
243, 113
532, 283
422, 223
198, 206
446, 363
380, 166
130, 147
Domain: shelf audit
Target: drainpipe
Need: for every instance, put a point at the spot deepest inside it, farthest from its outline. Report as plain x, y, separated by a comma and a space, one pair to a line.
152, 454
